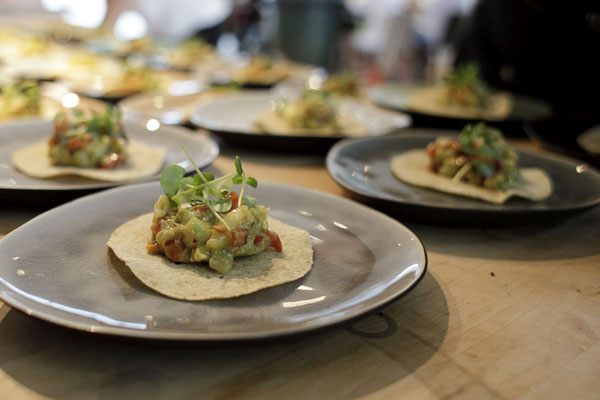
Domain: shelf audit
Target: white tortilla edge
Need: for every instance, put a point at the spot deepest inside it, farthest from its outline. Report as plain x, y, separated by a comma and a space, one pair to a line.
412, 167
144, 161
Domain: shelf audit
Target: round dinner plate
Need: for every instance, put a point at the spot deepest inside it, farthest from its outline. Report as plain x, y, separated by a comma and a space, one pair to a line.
395, 96
362, 166
112, 86
57, 267
16, 135
165, 107
233, 118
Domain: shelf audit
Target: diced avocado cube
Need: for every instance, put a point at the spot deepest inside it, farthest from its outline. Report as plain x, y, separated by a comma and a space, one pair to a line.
196, 232
221, 262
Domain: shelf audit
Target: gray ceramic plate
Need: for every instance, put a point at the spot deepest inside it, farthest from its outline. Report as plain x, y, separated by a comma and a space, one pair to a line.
233, 118
395, 96
363, 259
363, 167
16, 135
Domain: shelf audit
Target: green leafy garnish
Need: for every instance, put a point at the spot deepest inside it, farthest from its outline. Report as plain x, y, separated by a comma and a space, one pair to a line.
98, 124
169, 181
489, 153
465, 86
204, 189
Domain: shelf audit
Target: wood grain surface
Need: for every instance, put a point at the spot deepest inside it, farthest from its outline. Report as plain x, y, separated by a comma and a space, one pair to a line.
509, 313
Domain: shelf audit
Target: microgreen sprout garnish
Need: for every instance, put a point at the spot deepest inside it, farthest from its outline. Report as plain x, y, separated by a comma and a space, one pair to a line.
466, 77
488, 153
204, 189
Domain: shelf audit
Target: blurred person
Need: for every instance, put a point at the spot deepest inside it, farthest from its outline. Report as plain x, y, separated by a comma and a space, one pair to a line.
173, 19
545, 49
400, 35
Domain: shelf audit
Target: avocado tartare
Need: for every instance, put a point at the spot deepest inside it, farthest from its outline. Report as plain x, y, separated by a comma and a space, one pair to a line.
216, 226
84, 141
478, 156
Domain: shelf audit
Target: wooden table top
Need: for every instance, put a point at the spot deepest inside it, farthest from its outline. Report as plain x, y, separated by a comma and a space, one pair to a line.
501, 314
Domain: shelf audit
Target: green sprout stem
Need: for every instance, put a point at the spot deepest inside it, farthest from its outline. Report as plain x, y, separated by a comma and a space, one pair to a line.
204, 191
194, 164
242, 190
215, 212
461, 172
204, 185
208, 187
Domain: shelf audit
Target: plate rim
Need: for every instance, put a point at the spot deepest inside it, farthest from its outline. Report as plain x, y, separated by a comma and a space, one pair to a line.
212, 337
177, 130
339, 146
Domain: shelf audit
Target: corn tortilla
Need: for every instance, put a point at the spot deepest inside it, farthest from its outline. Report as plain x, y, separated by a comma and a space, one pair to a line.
143, 161
427, 100
412, 167
196, 281
274, 124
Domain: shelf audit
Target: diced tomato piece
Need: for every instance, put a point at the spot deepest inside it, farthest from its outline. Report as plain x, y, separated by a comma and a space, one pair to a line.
53, 140
453, 144
202, 208
77, 143
220, 229
153, 248
258, 239
275, 241
60, 125
174, 247
155, 227
239, 237
73, 144
234, 199
431, 151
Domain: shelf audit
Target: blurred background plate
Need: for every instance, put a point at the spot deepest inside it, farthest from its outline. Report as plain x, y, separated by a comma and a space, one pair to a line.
362, 261
19, 188
167, 108
395, 96
362, 166
233, 119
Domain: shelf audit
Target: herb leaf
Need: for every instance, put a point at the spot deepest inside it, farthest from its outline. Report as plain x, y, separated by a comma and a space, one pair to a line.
238, 166
204, 188
238, 179
169, 181
222, 205
250, 181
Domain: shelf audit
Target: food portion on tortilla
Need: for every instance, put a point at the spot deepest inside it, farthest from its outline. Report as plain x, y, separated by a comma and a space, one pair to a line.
342, 84
313, 114
220, 245
477, 164
93, 146
191, 53
108, 77
463, 94
260, 71
19, 99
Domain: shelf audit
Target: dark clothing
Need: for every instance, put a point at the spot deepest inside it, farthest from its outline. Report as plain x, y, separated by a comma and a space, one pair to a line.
544, 49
